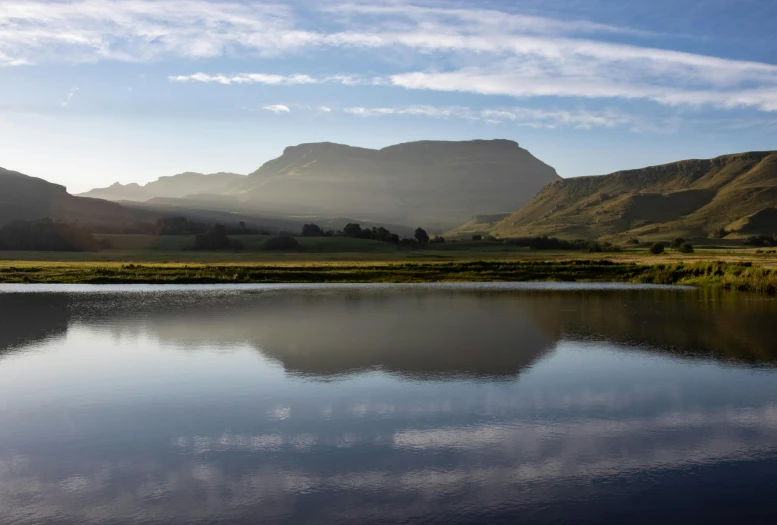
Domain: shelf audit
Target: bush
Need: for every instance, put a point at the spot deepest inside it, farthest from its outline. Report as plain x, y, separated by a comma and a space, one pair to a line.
686, 247
282, 241
657, 248
477, 237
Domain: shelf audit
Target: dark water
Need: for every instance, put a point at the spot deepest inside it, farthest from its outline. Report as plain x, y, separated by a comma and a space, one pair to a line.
387, 405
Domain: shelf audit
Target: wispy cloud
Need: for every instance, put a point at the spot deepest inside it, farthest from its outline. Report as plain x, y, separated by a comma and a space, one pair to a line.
476, 50
277, 108
521, 116
276, 80
247, 78
69, 97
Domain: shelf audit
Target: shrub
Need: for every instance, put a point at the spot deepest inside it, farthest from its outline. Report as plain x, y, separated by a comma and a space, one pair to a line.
282, 241
686, 247
477, 237
657, 248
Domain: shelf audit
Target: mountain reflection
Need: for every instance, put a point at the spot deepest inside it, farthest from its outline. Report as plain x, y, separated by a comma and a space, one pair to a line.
28, 319
155, 408
419, 334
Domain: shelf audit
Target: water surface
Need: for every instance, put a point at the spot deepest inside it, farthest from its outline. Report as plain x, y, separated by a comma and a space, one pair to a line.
383, 404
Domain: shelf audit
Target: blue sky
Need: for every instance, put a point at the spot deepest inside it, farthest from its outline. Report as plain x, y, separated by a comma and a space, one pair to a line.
98, 91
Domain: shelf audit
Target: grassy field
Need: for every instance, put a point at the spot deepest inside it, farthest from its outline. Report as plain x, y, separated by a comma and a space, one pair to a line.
335, 250
147, 259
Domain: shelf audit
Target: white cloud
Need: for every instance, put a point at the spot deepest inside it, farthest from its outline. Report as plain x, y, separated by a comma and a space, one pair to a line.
521, 116
476, 50
247, 78
277, 109
277, 80
70, 94
325, 109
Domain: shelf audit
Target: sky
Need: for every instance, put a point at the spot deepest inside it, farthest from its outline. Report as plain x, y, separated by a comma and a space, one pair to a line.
98, 91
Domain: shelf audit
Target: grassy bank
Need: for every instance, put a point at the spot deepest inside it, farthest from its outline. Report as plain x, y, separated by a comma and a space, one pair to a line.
735, 276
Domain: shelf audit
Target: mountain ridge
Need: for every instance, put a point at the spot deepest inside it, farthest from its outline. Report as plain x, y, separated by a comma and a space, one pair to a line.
694, 198
169, 186
31, 198
437, 184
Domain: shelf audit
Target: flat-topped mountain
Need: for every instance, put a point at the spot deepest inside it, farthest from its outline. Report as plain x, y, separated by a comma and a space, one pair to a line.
430, 183
436, 184
173, 186
734, 195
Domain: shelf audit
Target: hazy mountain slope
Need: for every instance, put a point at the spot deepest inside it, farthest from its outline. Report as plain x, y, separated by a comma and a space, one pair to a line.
29, 198
429, 183
687, 198
174, 186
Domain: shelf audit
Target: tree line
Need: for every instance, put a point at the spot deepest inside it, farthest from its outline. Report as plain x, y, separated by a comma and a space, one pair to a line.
47, 235
379, 233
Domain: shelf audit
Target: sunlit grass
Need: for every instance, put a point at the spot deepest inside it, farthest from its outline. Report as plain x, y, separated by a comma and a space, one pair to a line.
735, 276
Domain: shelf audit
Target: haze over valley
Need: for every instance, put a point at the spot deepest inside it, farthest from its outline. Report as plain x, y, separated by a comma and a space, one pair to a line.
484, 187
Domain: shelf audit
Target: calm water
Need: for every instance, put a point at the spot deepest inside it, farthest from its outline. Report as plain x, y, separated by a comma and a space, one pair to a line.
380, 404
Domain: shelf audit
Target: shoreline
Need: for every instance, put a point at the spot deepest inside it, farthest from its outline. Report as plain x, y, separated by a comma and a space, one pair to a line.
743, 276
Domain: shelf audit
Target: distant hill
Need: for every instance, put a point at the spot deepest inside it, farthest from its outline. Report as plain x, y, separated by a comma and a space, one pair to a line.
434, 184
25, 198
28, 198
174, 186
692, 198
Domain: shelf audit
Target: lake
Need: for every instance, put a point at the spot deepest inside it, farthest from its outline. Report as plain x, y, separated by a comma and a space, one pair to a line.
489, 403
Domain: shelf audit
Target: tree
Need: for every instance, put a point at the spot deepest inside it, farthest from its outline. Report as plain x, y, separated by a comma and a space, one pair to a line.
178, 226
312, 230
677, 243
657, 248
352, 230
477, 237
686, 247
421, 236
